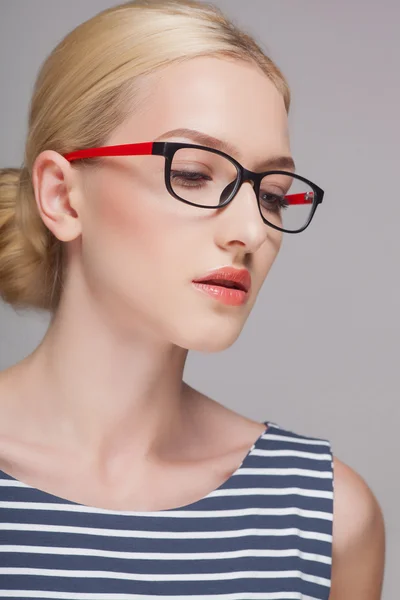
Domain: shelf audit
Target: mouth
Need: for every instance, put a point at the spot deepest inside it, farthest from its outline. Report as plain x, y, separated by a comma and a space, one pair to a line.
228, 277
223, 283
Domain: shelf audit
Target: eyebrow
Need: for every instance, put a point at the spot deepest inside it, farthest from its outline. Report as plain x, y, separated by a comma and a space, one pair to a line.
274, 162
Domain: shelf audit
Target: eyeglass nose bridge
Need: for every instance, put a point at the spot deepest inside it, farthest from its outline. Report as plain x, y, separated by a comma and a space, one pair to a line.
254, 178
243, 176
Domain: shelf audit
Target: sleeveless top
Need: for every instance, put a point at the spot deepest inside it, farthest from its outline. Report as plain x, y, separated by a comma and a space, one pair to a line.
264, 534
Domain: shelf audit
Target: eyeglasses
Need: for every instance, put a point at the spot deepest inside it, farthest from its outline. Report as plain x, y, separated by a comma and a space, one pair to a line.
209, 178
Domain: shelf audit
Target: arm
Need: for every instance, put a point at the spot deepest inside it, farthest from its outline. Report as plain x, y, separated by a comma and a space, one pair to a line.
358, 538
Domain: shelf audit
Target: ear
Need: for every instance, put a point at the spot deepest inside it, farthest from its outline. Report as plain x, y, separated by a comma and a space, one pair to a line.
56, 188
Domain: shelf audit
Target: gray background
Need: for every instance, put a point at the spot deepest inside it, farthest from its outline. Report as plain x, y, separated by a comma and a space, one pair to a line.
320, 352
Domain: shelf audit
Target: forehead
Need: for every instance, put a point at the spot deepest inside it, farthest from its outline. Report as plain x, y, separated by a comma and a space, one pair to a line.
231, 100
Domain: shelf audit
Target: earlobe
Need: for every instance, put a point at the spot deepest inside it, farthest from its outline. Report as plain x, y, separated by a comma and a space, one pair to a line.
55, 187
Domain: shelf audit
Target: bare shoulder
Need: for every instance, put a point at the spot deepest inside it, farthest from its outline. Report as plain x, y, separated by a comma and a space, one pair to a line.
358, 538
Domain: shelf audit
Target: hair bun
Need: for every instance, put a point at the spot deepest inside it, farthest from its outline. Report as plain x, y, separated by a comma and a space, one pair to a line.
23, 243
9, 182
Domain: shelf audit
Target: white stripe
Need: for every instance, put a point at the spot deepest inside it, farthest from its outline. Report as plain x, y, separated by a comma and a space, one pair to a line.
250, 553
311, 455
284, 438
166, 577
247, 491
79, 596
14, 483
129, 533
287, 491
300, 472
180, 514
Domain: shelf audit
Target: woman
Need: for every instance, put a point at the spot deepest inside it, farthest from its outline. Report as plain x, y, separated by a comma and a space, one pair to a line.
158, 158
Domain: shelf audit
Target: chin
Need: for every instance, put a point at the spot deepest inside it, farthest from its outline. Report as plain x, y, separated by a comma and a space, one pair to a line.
214, 346
210, 342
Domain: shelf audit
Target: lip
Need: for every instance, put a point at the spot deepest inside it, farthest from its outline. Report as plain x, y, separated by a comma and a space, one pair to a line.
241, 277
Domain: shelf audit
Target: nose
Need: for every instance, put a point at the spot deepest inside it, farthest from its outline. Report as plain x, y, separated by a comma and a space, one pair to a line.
230, 187
242, 219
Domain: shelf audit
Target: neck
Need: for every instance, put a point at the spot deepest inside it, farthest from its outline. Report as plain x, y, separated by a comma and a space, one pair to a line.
99, 387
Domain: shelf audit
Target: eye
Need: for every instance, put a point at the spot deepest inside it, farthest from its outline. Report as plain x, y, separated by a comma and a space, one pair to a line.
273, 201
189, 178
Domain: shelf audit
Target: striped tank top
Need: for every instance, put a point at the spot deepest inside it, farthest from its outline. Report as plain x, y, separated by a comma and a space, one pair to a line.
265, 533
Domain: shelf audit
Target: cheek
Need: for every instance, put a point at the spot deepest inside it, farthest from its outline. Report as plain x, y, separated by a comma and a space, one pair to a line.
132, 235
268, 253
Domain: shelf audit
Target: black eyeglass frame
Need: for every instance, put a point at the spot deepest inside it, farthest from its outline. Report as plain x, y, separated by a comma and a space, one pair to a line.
168, 150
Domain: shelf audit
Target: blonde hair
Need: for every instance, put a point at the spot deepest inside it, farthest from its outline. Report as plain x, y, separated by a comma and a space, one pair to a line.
82, 93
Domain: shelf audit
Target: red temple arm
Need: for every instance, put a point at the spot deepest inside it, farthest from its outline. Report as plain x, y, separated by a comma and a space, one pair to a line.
120, 150
306, 198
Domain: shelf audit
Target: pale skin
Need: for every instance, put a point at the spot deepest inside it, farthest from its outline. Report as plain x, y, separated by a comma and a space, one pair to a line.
101, 404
